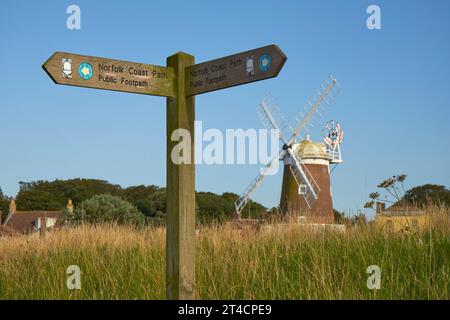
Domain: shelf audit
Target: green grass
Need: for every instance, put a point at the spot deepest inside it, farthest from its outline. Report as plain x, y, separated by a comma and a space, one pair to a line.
286, 263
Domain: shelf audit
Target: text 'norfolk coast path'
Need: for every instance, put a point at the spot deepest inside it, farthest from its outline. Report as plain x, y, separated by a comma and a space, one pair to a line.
249, 66
100, 73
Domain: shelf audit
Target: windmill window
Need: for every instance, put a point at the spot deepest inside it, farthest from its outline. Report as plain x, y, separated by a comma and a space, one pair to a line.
302, 189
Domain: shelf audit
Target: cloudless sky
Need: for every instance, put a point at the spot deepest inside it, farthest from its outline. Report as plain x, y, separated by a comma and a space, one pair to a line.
394, 105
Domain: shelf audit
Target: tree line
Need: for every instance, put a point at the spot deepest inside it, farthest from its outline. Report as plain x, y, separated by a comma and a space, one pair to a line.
148, 200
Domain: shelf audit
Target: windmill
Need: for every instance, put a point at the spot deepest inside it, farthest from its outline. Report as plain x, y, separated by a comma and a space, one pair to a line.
306, 164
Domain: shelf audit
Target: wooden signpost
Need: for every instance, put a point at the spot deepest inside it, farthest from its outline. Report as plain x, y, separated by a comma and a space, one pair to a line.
179, 81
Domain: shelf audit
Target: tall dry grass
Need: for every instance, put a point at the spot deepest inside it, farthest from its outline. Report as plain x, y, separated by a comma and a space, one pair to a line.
282, 262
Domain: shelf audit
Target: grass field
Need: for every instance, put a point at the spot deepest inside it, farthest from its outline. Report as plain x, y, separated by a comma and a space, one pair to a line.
283, 263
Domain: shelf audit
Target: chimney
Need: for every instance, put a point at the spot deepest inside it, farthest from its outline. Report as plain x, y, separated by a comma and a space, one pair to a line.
12, 206
69, 206
380, 206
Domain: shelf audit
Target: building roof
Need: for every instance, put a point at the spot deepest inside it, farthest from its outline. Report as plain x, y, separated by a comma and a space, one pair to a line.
403, 207
23, 221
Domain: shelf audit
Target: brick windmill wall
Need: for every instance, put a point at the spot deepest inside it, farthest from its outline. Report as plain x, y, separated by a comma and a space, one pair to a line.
316, 160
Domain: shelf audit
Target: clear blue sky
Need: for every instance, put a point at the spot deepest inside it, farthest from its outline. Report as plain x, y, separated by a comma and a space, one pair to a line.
394, 106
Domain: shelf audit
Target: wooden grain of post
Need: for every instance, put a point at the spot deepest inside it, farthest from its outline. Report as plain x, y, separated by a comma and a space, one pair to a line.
180, 250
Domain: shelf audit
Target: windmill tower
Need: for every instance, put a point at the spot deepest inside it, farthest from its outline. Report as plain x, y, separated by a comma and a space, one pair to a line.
306, 180
317, 158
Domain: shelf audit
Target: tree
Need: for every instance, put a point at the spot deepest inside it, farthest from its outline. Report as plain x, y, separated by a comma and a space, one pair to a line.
45, 195
230, 198
108, 208
157, 205
140, 196
253, 209
211, 207
4, 205
421, 195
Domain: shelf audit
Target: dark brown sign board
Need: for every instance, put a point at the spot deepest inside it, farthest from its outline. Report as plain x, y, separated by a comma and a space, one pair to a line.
100, 73
249, 66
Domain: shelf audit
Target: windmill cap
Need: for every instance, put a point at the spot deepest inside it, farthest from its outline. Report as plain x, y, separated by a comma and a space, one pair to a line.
308, 149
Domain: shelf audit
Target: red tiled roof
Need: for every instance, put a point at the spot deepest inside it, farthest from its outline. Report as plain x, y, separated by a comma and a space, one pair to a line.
23, 221
403, 207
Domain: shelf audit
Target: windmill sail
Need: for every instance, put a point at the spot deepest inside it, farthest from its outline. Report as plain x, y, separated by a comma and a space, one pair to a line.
326, 93
245, 197
272, 118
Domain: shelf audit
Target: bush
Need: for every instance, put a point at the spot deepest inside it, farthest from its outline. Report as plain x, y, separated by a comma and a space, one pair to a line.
108, 208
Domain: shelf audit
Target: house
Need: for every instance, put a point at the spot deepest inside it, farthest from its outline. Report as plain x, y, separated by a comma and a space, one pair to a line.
25, 222
402, 216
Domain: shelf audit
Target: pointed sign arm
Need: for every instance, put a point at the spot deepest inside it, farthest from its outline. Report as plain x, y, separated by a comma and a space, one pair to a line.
241, 68
108, 74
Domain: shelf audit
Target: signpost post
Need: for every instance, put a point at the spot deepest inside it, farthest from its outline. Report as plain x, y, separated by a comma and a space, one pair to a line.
179, 81
180, 215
